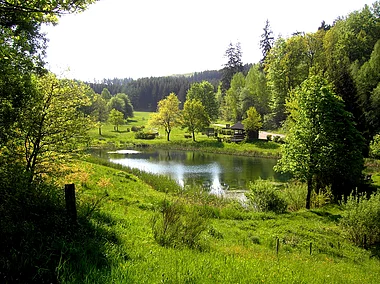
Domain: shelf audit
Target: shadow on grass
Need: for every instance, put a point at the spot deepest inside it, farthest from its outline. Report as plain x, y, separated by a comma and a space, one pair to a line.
265, 144
375, 250
328, 215
41, 245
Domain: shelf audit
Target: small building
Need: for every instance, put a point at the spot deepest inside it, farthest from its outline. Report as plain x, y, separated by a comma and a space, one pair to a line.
239, 132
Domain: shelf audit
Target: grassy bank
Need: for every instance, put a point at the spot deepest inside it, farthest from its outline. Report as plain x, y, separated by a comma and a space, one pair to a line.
125, 138
236, 246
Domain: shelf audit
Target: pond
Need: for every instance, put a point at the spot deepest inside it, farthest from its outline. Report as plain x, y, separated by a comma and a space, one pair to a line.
217, 172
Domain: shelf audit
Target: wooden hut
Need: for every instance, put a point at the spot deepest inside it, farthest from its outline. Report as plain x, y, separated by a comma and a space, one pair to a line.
239, 132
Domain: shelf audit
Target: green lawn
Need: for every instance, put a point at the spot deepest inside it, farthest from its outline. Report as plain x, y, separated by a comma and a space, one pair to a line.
238, 245
125, 138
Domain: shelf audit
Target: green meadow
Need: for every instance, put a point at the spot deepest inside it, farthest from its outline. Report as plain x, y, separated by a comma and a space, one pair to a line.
125, 138
235, 245
135, 227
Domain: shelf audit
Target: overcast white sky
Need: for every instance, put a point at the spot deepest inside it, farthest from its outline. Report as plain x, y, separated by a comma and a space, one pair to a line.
143, 38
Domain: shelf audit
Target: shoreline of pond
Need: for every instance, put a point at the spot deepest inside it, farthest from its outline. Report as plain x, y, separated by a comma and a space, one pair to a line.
180, 147
197, 168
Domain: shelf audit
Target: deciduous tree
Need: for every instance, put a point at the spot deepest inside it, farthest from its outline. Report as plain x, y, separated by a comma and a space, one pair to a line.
168, 114
117, 104
252, 123
194, 116
323, 148
99, 111
128, 108
106, 94
233, 99
51, 125
204, 92
258, 93
22, 49
116, 118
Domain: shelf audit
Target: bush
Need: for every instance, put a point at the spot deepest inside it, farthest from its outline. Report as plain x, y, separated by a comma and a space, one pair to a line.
177, 226
145, 135
362, 219
136, 128
374, 148
269, 137
266, 197
321, 198
294, 194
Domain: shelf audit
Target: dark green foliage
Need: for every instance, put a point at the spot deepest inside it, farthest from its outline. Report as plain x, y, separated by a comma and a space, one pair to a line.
264, 196
267, 41
37, 237
374, 149
234, 65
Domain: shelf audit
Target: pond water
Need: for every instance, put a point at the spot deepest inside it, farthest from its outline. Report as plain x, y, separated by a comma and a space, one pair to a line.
218, 172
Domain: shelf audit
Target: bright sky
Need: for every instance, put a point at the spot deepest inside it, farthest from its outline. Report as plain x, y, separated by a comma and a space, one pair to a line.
143, 38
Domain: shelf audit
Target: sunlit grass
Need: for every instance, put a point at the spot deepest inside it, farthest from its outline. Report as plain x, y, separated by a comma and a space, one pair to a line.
239, 245
125, 138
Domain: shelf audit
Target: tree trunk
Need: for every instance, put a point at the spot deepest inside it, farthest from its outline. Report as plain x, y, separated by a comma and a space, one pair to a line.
193, 136
168, 135
100, 130
309, 189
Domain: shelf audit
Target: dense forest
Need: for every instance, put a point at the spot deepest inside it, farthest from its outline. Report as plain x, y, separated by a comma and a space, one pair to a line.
145, 93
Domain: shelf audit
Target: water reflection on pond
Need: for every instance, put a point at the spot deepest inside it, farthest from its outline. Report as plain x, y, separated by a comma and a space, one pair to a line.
216, 171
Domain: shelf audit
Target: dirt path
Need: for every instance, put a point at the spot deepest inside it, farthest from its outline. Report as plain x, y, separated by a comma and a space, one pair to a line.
263, 134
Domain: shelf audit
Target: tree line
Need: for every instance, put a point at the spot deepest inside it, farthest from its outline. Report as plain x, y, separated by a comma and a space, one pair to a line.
145, 93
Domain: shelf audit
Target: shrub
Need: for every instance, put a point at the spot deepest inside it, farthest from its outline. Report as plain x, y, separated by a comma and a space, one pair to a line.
135, 128
321, 198
269, 137
294, 194
145, 135
177, 226
265, 197
374, 148
361, 219
276, 139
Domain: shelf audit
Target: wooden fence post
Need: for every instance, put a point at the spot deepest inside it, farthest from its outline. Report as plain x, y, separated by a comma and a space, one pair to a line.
277, 245
71, 207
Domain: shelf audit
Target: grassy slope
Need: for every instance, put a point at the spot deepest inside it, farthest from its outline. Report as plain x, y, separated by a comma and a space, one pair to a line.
239, 246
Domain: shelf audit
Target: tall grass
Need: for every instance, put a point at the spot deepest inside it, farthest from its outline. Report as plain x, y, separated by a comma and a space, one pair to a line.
160, 183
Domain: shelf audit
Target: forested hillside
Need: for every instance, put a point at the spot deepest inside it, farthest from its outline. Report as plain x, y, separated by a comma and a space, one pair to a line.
145, 93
